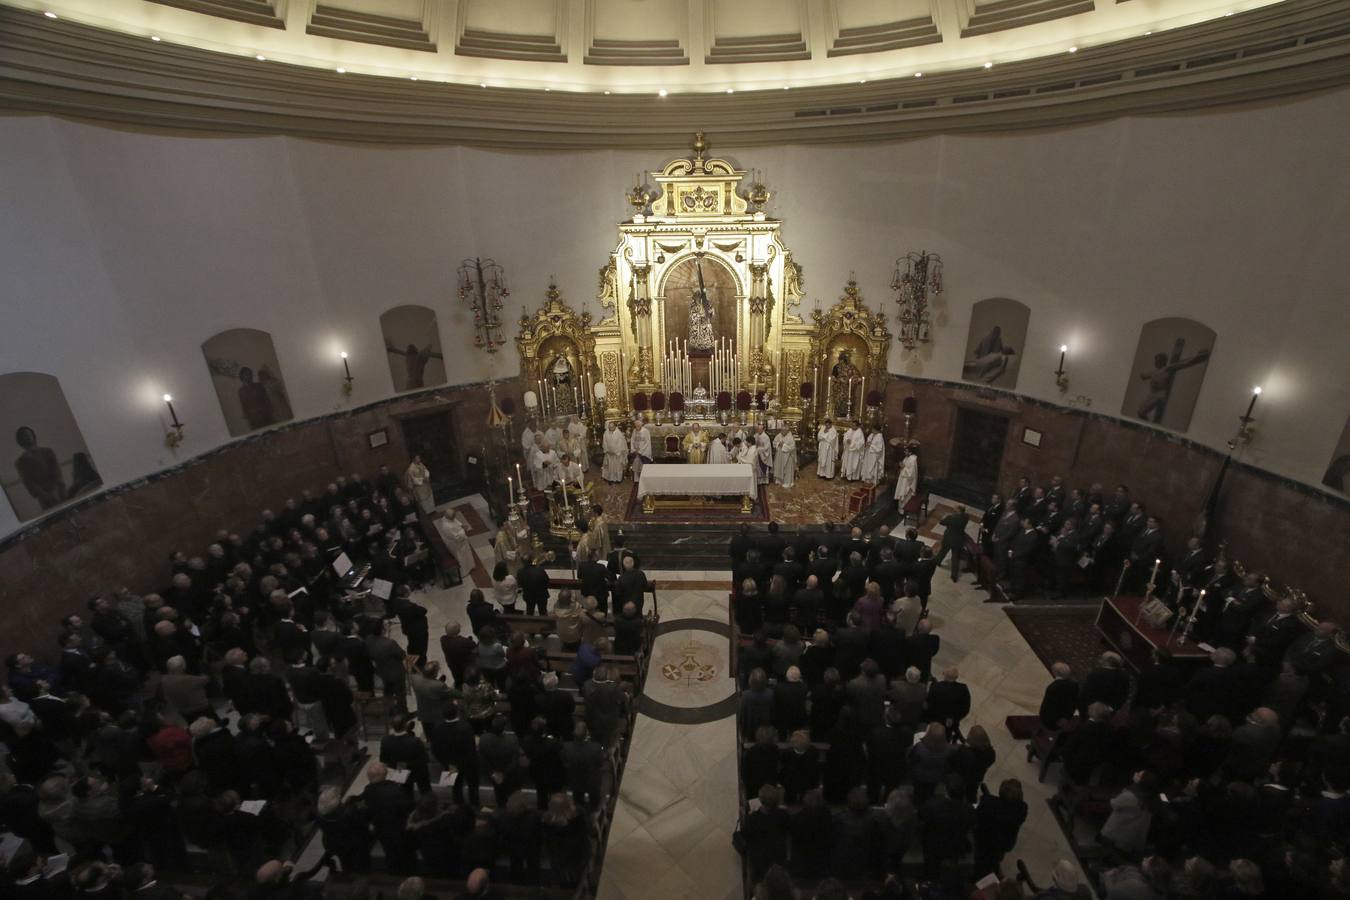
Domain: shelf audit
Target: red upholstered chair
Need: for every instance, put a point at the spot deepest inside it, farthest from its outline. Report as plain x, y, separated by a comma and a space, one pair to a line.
873, 398
743, 401
807, 390
640, 402
673, 446
658, 401
723, 401
677, 402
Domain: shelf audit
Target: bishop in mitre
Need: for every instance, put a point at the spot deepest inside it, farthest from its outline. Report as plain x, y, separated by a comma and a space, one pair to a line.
785, 458
874, 457
827, 450
718, 452
615, 446
854, 443
696, 444
907, 481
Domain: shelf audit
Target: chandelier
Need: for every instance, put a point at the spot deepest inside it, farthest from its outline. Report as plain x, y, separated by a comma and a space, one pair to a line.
916, 276
482, 285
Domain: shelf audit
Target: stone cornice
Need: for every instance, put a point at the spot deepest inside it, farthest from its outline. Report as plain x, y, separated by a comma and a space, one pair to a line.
66, 69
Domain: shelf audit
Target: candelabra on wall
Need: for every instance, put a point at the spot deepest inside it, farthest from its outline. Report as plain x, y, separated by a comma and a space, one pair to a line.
1061, 376
1246, 429
347, 375
916, 276
174, 436
482, 285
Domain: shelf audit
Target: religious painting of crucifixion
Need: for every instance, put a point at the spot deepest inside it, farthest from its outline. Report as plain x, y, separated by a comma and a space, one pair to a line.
412, 343
1168, 372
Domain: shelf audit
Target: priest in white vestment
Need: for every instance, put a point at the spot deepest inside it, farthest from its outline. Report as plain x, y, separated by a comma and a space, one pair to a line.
874, 457
907, 482
718, 452
827, 450
454, 530
738, 433
527, 440
641, 447
545, 466
419, 484
785, 458
569, 471
748, 454
854, 442
576, 441
764, 456
554, 436
615, 446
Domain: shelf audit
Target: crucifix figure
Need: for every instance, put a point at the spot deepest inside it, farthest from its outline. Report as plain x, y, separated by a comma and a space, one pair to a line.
1163, 377
700, 315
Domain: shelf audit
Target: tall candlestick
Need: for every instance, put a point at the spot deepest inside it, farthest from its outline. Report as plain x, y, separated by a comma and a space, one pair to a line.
1153, 576
521, 479
511, 490
862, 393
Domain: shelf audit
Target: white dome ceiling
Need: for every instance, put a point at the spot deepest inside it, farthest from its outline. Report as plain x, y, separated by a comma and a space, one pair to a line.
642, 46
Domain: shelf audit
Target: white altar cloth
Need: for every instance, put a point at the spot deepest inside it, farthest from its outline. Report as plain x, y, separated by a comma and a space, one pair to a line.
726, 479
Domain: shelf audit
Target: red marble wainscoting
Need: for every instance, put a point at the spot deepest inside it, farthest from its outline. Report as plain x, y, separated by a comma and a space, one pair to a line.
1296, 533
125, 536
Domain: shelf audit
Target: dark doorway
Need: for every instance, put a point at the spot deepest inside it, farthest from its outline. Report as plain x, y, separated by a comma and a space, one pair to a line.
431, 437
977, 451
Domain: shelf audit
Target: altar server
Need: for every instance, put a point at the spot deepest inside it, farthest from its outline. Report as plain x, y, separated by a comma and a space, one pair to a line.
874, 457
454, 531
744, 452
576, 441
907, 482
569, 471
527, 439
854, 441
764, 454
718, 452
640, 446
785, 458
554, 435
696, 445
827, 450
615, 446
738, 434
419, 484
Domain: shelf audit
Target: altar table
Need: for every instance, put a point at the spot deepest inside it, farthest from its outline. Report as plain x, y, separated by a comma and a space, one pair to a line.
696, 482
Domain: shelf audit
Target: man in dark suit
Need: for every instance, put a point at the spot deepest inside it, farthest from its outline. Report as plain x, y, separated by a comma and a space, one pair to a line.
412, 618
823, 565
1021, 495
1146, 549
921, 647
1094, 522
856, 543
953, 540
771, 544
1313, 653
1239, 609
887, 572
401, 747
1076, 507
1021, 551
583, 759
1211, 691
616, 557
534, 584
808, 602
855, 577
458, 650
78, 670
1106, 557
1065, 548
266, 693
752, 568
1060, 698
887, 746
454, 746
1193, 563
740, 545
1108, 683
1118, 507
1134, 523
632, 584
1272, 637
908, 549
790, 569
1001, 537
1055, 492
594, 580
1037, 507
949, 702
988, 522
389, 805
883, 541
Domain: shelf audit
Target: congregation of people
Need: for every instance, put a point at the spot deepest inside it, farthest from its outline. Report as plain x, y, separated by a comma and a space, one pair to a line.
1225, 781
215, 724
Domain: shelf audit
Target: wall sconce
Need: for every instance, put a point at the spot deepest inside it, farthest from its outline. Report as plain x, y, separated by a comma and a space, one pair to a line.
1061, 378
347, 382
1245, 429
175, 437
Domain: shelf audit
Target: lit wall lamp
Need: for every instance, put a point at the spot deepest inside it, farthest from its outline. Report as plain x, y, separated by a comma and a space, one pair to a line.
1245, 430
174, 437
347, 382
1061, 377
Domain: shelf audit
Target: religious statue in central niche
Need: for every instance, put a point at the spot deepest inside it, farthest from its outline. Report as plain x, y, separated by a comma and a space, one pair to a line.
564, 387
843, 376
700, 316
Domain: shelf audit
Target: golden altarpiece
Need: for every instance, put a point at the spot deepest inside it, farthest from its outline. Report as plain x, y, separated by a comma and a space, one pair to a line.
700, 318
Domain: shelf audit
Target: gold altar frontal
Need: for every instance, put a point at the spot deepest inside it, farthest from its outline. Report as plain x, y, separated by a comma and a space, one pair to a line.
700, 320
652, 503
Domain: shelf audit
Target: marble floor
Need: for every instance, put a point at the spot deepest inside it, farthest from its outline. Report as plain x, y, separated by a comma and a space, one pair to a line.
671, 833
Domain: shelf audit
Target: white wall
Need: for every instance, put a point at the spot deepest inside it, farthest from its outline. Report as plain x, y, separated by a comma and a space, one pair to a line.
121, 252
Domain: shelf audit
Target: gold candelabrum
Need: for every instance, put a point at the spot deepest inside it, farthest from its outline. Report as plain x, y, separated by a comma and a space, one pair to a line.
917, 275
482, 285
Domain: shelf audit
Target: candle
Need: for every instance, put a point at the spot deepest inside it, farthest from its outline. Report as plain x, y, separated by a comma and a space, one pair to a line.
1153, 577
510, 490
172, 415
566, 505
862, 392
521, 479
1256, 392
1063, 349
346, 368
581, 481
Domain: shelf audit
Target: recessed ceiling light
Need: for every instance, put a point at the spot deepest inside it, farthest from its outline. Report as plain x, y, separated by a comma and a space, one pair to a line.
548, 90
1073, 49
260, 58
412, 77
1228, 13
606, 93
341, 71
155, 38
1147, 33
918, 74
662, 92
988, 65
731, 90
49, 14
787, 87
482, 84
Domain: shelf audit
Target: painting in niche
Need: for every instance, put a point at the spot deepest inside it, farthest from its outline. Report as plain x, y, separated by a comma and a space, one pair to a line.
1168, 370
247, 377
703, 317
1338, 472
48, 464
412, 344
994, 344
